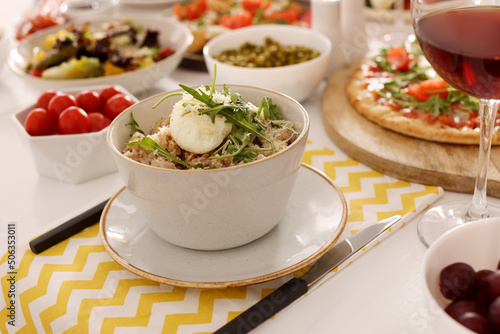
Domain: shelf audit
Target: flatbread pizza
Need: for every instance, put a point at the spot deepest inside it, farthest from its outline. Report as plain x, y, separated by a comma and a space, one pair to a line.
398, 89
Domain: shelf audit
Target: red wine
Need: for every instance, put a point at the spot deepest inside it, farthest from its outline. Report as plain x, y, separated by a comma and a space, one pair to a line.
463, 46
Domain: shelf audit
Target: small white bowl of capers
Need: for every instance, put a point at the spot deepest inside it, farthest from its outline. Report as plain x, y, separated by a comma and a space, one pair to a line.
289, 59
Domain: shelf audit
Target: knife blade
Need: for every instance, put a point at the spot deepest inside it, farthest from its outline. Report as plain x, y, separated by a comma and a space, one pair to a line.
298, 286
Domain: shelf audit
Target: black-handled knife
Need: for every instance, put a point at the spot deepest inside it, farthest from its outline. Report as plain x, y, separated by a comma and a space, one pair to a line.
296, 287
67, 229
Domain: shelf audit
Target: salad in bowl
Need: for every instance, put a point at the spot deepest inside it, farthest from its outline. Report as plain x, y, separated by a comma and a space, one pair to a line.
134, 51
83, 51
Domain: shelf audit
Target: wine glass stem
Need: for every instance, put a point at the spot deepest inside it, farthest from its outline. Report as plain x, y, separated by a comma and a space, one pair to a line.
487, 113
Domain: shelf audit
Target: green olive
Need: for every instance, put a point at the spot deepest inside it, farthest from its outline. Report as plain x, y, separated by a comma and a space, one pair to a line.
270, 54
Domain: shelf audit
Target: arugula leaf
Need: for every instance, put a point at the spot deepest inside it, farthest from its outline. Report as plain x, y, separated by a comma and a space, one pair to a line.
282, 124
134, 125
403, 80
236, 146
237, 118
199, 95
381, 60
237, 100
246, 155
150, 144
269, 110
214, 111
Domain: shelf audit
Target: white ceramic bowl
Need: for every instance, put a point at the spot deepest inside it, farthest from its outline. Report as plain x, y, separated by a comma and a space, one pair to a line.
477, 244
297, 81
74, 158
217, 208
172, 34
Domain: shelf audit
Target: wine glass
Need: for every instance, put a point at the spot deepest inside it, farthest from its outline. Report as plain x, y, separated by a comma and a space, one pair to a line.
461, 40
397, 31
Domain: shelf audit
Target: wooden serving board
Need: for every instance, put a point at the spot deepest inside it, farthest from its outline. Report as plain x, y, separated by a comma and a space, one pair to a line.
450, 166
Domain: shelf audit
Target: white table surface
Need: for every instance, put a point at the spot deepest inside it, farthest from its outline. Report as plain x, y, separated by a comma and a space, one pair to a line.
381, 292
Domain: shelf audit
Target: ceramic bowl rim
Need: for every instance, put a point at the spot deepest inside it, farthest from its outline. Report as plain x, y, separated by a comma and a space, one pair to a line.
265, 27
430, 255
302, 136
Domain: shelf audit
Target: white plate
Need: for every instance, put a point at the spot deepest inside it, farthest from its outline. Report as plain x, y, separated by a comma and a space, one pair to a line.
313, 221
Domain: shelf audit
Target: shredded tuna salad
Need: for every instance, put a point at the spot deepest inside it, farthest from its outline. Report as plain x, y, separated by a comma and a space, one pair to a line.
210, 129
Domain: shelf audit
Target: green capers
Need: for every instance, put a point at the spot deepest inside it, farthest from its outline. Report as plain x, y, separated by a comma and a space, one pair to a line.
271, 54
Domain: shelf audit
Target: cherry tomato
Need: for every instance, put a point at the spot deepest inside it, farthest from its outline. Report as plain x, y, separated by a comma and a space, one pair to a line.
40, 123
116, 104
236, 21
44, 99
288, 16
398, 58
191, 11
416, 91
60, 102
429, 87
179, 11
47, 17
164, 53
88, 100
195, 9
36, 73
435, 86
252, 6
74, 120
108, 92
98, 121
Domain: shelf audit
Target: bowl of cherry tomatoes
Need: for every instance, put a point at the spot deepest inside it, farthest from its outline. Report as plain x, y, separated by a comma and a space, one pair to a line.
65, 130
462, 279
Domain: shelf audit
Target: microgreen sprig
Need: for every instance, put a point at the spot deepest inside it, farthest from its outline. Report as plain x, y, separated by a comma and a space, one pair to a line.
150, 144
134, 125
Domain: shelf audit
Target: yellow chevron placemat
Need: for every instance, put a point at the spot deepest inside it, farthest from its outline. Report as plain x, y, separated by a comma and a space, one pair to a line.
75, 287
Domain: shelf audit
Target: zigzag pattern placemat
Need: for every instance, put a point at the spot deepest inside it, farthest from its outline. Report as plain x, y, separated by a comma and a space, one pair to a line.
75, 287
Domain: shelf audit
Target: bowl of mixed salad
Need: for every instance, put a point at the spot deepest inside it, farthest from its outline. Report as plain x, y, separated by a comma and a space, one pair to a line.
133, 51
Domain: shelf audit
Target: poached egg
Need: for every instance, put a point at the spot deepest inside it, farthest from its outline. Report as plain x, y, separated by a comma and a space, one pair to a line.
195, 132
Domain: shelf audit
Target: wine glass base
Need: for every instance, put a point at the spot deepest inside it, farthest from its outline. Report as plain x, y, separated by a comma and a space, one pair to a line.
442, 218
